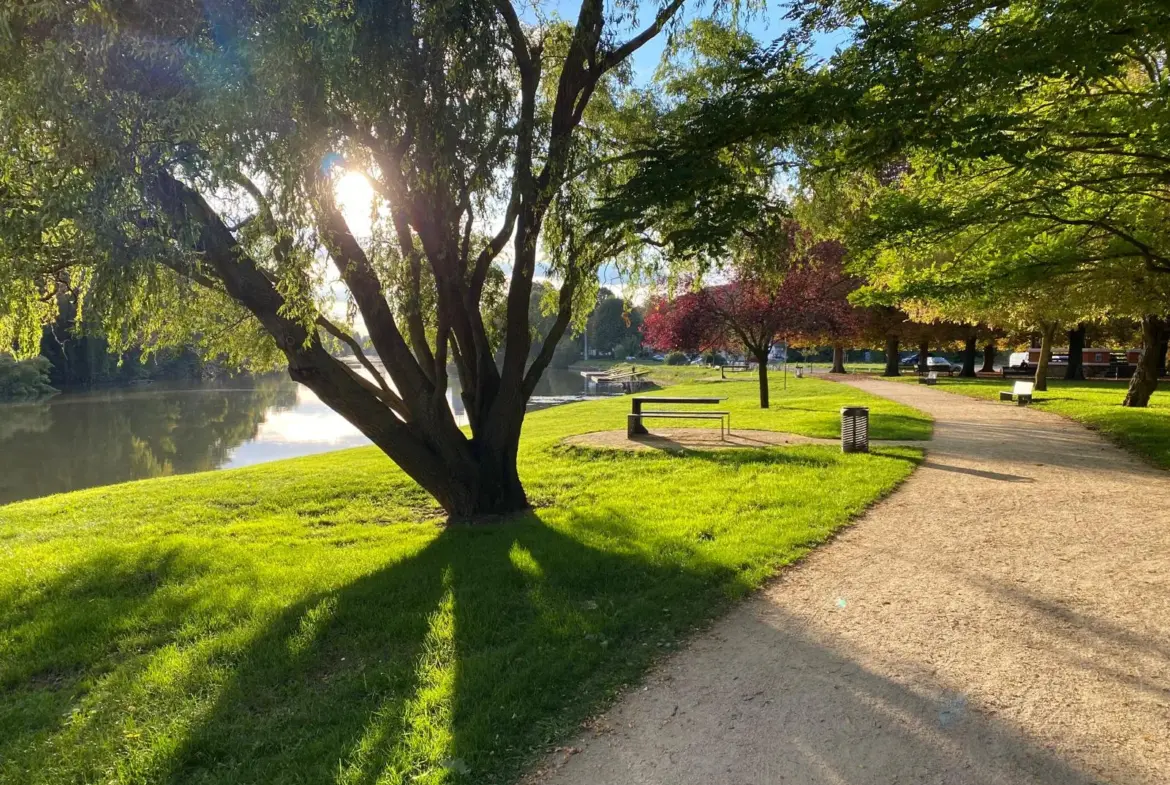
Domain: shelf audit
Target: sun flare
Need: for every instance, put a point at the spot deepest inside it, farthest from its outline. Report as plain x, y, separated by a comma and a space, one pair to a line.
355, 197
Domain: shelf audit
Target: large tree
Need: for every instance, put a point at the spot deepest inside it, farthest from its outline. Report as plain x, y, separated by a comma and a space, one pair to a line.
779, 290
185, 165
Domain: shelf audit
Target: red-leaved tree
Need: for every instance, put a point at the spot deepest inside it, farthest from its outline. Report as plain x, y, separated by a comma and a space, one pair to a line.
807, 300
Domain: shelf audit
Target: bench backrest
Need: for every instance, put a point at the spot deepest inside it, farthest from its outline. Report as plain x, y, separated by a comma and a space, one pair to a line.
1023, 388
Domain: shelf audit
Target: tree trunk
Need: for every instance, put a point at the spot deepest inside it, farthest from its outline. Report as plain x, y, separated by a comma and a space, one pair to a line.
1076, 354
1041, 379
1145, 378
892, 358
1163, 348
923, 355
838, 359
762, 361
988, 358
969, 358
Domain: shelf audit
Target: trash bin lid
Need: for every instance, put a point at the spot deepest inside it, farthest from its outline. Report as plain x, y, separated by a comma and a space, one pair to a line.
854, 411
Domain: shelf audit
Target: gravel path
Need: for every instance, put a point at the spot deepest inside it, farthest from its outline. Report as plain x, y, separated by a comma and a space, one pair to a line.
1004, 617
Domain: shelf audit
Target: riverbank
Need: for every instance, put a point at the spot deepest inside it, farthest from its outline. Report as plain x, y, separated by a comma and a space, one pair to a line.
310, 620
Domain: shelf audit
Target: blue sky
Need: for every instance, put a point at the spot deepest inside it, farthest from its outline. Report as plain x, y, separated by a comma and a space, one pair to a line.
766, 25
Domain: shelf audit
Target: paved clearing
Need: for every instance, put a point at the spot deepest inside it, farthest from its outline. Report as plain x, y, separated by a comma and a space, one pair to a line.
1004, 617
682, 439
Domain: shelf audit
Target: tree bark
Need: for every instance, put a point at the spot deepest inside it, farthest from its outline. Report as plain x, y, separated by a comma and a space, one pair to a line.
762, 361
1145, 379
1076, 354
838, 359
969, 358
1163, 348
892, 358
988, 358
1041, 378
923, 355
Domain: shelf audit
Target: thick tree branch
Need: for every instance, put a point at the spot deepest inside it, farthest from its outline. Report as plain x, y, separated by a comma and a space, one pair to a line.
616, 56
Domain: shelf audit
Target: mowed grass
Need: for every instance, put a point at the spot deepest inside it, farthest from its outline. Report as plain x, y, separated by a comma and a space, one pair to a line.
1096, 404
311, 621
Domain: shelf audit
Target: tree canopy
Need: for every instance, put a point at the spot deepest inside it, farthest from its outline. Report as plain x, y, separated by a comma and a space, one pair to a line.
187, 168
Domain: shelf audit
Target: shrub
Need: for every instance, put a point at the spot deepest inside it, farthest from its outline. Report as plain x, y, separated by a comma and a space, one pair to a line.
630, 346
22, 380
676, 358
565, 355
714, 358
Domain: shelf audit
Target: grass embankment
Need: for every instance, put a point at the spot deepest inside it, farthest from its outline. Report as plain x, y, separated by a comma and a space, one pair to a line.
1096, 404
310, 621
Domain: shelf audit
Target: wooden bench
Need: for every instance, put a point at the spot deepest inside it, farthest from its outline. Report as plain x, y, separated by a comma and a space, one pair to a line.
1008, 370
723, 369
634, 426
930, 378
1021, 393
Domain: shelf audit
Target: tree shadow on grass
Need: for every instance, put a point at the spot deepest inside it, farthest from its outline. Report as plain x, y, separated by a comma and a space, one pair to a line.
455, 665
80, 624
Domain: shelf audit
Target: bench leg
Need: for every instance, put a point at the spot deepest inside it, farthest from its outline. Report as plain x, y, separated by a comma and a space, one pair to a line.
634, 426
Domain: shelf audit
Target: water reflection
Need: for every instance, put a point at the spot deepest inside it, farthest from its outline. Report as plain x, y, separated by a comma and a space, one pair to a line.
80, 440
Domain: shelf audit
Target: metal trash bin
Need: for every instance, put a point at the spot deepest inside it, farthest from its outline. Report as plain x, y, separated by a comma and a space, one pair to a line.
854, 429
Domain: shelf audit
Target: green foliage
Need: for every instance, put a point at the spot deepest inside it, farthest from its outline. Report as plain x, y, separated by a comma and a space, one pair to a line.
630, 346
979, 158
22, 380
307, 620
676, 358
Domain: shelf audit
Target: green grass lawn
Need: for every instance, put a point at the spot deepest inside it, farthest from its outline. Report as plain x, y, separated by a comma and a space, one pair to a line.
310, 621
1097, 404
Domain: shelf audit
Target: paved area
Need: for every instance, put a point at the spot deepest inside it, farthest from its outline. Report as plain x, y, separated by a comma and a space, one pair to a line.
1004, 617
682, 439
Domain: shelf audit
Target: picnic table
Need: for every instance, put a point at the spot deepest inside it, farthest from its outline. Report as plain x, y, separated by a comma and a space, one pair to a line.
634, 426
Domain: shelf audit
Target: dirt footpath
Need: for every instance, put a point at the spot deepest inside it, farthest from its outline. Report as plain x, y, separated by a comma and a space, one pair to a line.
1004, 617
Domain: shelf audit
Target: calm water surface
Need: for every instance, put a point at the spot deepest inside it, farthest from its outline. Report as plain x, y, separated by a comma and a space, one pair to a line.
83, 439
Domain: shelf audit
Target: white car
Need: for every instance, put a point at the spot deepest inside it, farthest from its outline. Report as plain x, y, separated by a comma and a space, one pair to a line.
939, 364
1018, 360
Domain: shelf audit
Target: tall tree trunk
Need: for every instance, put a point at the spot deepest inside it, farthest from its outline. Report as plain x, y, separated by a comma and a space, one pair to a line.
1163, 348
762, 361
988, 358
923, 355
969, 357
1041, 379
1145, 378
892, 358
1076, 354
838, 359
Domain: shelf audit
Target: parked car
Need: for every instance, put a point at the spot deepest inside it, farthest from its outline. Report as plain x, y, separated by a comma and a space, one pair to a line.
932, 363
939, 364
1018, 360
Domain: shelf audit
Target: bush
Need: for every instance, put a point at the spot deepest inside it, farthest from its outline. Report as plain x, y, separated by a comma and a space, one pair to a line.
631, 346
565, 355
24, 379
714, 358
676, 358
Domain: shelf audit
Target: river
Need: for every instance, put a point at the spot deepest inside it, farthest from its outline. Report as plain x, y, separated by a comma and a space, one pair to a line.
83, 439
